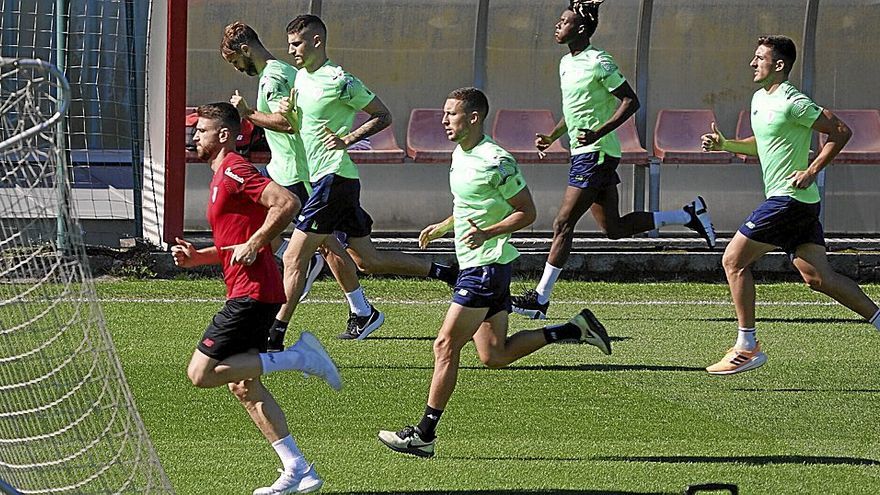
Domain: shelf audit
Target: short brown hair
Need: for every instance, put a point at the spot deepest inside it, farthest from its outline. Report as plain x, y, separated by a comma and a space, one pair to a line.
224, 113
474, 100
235, 35
305, 21
783, 49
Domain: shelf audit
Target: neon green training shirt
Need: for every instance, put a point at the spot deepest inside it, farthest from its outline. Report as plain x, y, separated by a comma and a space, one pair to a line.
329, 97
782, 122
288, 163
482, 180
587, 80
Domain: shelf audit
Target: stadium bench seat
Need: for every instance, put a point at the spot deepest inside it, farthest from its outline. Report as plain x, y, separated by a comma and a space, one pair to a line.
744, 130
515, 129
425, 138
677, 137
631, 148
380, 148
864, 145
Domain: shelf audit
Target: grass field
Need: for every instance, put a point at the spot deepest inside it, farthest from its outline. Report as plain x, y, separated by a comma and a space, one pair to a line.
566, 419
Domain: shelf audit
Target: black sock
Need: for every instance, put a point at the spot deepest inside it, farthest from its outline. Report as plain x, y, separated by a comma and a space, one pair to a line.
276, 333
428, 424
565, 331
445, 273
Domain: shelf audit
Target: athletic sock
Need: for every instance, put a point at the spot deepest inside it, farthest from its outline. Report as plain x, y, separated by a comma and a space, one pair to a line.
357, 302
276, 333
672, 217
548, 280
288, 359
291, 457
875, 320
444, 273
428, 425
562, 331
745, 339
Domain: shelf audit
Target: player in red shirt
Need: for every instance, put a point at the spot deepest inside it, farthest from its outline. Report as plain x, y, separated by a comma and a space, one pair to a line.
246, 211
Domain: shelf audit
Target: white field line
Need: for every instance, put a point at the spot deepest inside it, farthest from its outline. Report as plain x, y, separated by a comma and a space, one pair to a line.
446, 301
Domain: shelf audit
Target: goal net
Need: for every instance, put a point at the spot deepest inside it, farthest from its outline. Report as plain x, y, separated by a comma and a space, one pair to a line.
68, 423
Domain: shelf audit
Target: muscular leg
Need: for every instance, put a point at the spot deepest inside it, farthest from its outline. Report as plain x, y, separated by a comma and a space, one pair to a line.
372, 261
207, 372
299, 251
497, 350
262, 408
341, 264
811, 261
459, 326
575, 202
605, 211
738, 258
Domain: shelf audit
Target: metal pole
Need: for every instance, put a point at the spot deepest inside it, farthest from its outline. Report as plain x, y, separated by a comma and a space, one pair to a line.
136, 162
62, 234
646, 11
315, 7
808, 73
481, 39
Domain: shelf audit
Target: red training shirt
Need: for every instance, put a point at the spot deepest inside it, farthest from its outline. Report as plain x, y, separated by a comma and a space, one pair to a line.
235, 213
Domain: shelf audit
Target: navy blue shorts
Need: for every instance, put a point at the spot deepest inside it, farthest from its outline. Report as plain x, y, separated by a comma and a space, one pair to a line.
241, 325
484, 287
335, 205
785, 222
593, 170
299, 189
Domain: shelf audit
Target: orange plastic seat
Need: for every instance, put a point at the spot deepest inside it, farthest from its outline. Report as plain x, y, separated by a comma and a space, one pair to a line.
382, 146
425, 137
631, 148
677, 137
864, 145
515, 129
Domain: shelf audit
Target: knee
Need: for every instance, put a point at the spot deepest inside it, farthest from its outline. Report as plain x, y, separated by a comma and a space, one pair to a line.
562, 227
241, 391
371, 265
732, 264
613, 231
444, 350
200, 378
815, 281
493, 361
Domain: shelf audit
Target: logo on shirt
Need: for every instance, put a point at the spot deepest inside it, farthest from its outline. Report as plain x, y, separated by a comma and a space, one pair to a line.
229, 173
608, 65
506, 168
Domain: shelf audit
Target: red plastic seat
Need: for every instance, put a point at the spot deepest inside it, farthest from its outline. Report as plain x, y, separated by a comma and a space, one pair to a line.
744, 130
515, 129
864, 145
631, 147
425, 137
383, 146
677, 137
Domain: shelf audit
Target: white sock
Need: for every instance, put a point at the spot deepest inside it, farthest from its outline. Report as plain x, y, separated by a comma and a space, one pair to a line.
357, 301
672, 217
875, 320
745, 339
548, 279
288, 359
291, 458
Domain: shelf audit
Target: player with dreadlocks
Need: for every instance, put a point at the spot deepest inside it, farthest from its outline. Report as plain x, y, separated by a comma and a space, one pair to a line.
596, 100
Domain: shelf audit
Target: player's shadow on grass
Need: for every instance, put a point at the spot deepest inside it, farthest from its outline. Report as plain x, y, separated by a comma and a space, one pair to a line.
818, 321
754, 460
506, 492
811, 390
603, 367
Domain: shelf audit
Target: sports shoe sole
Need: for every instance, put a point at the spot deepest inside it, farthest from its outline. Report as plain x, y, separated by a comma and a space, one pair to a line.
756, 362
708, 230
372, 326
534, 314
598, 334
334, 380
411, 451
314, 271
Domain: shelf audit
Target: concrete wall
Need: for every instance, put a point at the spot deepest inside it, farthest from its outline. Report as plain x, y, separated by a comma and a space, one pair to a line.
412, 53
